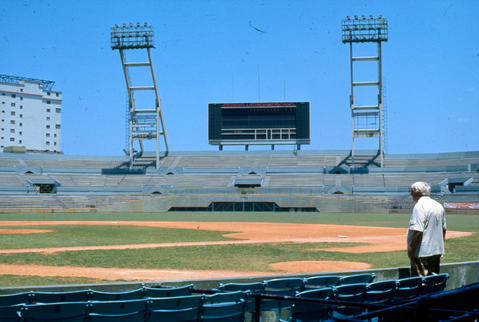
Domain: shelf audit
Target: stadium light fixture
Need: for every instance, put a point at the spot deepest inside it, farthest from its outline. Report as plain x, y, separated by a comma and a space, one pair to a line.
364, 29
132, 36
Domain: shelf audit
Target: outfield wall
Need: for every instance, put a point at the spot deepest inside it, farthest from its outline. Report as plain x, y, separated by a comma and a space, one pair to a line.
292, 201
460, 274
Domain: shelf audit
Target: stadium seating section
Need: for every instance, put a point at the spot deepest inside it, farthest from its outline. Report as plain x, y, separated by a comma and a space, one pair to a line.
81, 183
290, 299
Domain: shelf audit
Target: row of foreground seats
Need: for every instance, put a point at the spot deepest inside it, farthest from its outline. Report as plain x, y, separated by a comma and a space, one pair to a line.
230, 302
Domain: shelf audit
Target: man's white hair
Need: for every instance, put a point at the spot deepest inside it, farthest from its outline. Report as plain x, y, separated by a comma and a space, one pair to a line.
423, 187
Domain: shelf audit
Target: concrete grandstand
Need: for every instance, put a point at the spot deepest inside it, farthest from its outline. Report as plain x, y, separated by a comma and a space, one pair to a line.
234, 181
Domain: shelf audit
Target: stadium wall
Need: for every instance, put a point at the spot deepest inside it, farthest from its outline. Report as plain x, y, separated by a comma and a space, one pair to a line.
292, 201
460, 274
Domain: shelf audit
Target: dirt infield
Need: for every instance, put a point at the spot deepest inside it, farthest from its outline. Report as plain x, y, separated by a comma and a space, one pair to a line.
373, 239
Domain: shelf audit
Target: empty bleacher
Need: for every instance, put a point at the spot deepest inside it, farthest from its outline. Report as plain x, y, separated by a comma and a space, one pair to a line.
209, 173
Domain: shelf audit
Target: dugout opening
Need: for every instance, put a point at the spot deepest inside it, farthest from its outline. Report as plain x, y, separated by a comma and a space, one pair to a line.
245, 206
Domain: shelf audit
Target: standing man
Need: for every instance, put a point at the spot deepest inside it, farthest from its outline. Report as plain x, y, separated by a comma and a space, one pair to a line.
427, 232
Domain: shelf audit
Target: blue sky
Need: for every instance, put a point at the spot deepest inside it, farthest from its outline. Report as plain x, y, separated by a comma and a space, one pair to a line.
208, 51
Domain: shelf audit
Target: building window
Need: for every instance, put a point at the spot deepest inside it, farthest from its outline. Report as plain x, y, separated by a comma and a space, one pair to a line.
12, 139
13, 95
48, 118
12, 121
21, 89
13, 104
21, 115
59, 110
48, 142
20, 132
58, 94
54, 135
20, 141
21, 124
21, 98
48, 110
12, 130
57, 126
48, 93
48, 126
12, 113
54, 143
48, 135
21, 107
48, 102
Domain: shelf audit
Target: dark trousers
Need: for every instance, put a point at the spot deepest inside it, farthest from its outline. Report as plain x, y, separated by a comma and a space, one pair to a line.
424, 266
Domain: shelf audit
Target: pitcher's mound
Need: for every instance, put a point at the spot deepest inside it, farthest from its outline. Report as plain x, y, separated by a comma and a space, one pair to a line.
318, 266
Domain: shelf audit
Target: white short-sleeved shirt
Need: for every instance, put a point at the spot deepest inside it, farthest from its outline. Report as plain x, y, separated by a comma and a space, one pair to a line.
428, 216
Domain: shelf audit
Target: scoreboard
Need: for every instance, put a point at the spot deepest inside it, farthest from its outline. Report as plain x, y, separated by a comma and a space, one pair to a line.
283, 123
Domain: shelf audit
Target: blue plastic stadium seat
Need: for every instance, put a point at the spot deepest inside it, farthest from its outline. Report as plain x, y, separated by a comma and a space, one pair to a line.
168, 291
175, 302
67, 311
177, 315
116, 296
55, 297
321, 281
229, 311
434, 283
312, 311
16, 298
357, 278
11, 313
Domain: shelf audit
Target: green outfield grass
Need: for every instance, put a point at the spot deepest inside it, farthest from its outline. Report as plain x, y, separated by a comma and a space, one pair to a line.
251, 257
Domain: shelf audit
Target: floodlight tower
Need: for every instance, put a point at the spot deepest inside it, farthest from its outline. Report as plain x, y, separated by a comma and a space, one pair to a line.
145, 122
367, 120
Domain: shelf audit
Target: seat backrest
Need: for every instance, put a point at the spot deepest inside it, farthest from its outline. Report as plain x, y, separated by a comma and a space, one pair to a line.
139, 316
321, 281
283, 286
56, 297
407, 288
255, 287
311, 311
357, 278
350, 290
434, 283
382, 285
116, 296
178, 315
117, 307
379, 295
222, 297
67, 311
230, 311
320, 293
175, 302
168, 291
17, 298
415, 281
11, 313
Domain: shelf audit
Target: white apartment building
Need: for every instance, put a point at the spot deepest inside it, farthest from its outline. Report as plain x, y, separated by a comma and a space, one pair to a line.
30, 114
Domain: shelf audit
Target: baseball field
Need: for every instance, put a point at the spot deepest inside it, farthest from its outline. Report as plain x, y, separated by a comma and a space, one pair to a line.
73, 248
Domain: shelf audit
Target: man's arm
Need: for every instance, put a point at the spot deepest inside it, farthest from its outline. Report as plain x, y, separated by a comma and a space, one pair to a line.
415, 241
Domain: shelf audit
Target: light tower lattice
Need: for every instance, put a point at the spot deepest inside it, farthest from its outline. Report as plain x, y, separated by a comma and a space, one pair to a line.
367, 120
145, 122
